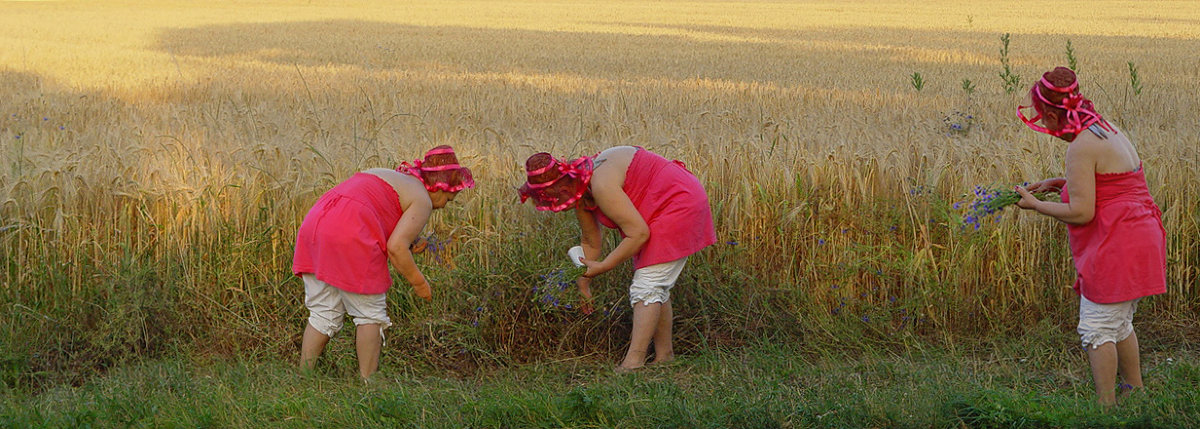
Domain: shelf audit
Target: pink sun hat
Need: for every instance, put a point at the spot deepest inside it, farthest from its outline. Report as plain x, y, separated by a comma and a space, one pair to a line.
555, 185
439, 171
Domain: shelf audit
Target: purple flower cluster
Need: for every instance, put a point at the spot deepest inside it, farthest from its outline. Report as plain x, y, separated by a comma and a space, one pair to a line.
434, 246
987, 202
958, 123
858, 306
553, 284
21, 135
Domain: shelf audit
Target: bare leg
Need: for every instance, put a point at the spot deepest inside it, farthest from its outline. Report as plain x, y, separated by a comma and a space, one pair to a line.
1104, 372
311, 347
664, 351
368, 342
1129, 363
645, 321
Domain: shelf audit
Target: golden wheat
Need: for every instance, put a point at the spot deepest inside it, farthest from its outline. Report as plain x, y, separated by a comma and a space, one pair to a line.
153, 125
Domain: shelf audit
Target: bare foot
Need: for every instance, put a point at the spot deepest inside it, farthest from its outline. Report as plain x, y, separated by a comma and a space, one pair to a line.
622, 369
663, 361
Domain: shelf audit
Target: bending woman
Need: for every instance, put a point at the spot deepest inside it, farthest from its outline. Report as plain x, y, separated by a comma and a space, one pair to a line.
1115, 229
663, 215
349, 236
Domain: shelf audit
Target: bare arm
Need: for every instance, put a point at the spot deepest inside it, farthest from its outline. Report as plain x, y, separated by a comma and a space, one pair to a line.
1049, 185
611, 198
411, 222
589, 234
1081, 180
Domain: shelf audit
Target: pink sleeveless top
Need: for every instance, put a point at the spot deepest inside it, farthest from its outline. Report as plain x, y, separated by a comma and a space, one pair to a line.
343, 239
674, 205
1121, 254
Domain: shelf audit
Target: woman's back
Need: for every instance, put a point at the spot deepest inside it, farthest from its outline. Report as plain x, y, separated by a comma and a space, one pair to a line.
1115, 153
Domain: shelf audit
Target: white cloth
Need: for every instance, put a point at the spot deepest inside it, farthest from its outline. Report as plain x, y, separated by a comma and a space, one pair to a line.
1103, 323
653, 283
327, 305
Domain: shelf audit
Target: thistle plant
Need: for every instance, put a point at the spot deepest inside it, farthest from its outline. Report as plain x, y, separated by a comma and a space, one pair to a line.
1134, 81
1071, 62
917, 81
968, 87
1011, 80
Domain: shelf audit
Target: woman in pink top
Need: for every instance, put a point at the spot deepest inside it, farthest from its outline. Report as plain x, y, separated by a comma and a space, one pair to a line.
1115, 229
663, 215
348, 237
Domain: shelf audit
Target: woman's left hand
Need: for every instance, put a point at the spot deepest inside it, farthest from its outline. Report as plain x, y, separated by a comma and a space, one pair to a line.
1027, 201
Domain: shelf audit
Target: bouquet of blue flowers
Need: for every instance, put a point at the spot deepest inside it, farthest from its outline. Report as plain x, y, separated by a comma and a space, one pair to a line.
988, 201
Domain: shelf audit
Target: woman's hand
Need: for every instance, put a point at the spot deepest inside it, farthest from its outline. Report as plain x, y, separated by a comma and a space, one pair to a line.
1027, 201
418, 245
585, 289
594, 268
423, 290
1049, 185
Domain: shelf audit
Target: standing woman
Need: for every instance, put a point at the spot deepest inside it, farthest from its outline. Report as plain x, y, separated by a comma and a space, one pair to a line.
1115, 229
348, 237
663, 215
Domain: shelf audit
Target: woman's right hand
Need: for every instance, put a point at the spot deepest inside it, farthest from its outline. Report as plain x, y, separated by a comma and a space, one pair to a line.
1049, 185
418, 245
423, 290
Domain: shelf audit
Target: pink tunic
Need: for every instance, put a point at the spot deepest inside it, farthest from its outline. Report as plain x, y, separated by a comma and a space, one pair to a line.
343, 239
1121, 254
674, 205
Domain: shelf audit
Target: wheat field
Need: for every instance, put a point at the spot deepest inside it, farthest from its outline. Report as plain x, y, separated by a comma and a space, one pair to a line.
158, 157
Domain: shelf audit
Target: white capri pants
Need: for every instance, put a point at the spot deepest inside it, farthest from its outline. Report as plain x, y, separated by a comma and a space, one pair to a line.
328, 304
1104, 323
653, 283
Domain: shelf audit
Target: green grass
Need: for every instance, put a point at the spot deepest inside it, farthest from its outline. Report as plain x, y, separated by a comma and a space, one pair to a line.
760, 386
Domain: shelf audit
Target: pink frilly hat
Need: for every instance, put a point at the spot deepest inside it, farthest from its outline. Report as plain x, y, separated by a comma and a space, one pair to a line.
554, 185
1080, 113
439, 171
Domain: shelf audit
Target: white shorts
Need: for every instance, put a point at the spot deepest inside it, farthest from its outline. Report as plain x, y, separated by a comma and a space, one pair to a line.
327, 305
653, 283
1103, 323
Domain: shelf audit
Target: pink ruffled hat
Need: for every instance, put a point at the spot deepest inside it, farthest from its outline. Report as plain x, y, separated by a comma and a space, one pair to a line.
555, 185
439, 171
1077, 111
